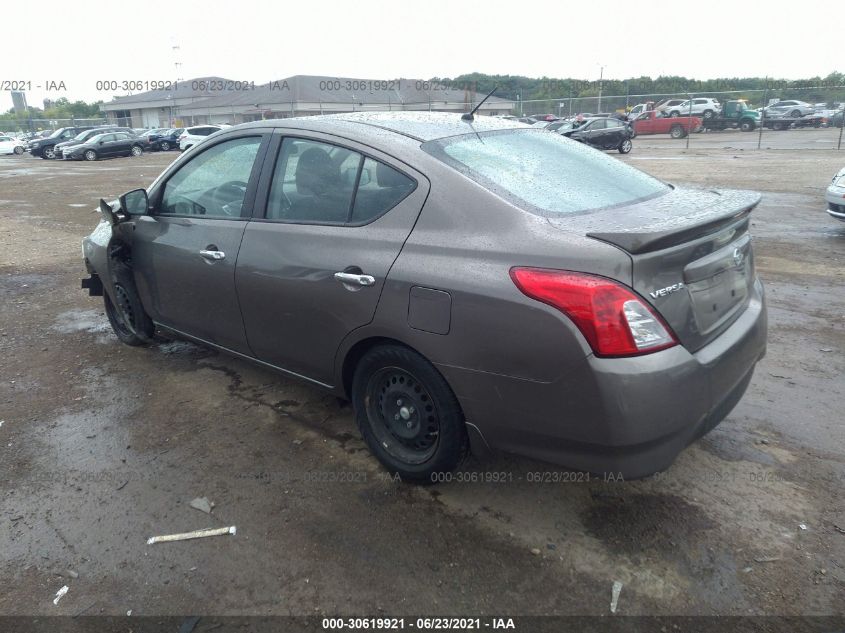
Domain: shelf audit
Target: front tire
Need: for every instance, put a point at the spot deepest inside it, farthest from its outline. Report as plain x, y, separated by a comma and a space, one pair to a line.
90, 155
18, 150
626, 146
746, 126
674, 114
126, 314
407, 414
795, 114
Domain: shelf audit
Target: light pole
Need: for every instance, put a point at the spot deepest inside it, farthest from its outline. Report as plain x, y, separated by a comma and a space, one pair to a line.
601, 78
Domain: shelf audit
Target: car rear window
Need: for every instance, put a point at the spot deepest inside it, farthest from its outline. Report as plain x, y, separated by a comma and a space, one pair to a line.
543, 172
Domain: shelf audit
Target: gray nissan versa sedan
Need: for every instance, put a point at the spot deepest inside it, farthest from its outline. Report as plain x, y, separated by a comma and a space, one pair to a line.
468, 284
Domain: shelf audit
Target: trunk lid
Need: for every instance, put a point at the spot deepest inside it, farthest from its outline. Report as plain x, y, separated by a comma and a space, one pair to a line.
691, 254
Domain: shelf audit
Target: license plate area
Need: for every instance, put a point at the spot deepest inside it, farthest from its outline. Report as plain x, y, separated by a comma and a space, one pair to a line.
719, 284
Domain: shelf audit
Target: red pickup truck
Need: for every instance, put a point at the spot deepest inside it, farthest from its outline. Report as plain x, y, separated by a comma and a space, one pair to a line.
652, 122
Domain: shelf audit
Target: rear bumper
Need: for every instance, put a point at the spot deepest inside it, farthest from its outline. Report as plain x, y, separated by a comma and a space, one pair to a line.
618, 415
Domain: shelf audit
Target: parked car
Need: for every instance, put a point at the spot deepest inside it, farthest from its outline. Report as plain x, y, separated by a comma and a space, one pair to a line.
790, 108
668, 104
80, 138
193, 135
105, 146
454, 333
555, 126
165, 139
10, 145
145, 135
638, 109
835, 196
653, 122
602, 133
704, 107
45, 146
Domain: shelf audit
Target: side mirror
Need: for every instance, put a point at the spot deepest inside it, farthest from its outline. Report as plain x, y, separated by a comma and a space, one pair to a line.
135, 202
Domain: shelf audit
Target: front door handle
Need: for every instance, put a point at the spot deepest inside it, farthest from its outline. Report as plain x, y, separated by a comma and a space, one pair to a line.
355, 280
213, 256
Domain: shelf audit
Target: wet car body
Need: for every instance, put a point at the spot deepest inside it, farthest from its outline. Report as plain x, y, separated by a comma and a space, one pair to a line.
453, 274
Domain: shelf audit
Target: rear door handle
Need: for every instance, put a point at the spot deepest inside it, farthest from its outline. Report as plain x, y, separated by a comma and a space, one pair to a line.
213, 256
355, 280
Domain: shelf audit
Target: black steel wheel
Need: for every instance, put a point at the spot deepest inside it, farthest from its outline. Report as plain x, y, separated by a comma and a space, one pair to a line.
407, 413
126, 314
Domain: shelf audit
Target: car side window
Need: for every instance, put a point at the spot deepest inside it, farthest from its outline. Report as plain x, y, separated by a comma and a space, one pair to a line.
106, 138
319, 183
380, 188
213, 183
313, 182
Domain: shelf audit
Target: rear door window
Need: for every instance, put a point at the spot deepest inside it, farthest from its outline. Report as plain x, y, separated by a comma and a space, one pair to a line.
321, 183
380, 188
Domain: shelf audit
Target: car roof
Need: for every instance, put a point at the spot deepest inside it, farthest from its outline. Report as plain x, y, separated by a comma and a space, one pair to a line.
420, 126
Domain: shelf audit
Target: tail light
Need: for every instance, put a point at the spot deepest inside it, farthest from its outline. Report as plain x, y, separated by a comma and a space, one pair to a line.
613, 319
182, 136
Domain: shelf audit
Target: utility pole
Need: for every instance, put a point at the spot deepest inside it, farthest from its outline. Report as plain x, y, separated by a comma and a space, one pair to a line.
601, 78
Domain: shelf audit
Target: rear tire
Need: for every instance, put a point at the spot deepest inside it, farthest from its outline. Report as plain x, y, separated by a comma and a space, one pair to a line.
677, 132
626, 146
407, 414
127, 317
708, 114
674, 114
48, 153
164, 146
136, 150
795, 114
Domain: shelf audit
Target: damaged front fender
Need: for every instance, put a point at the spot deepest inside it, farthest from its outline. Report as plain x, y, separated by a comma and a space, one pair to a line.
104, 243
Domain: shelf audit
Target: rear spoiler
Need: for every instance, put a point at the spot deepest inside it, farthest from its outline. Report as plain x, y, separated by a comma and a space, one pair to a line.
637, 242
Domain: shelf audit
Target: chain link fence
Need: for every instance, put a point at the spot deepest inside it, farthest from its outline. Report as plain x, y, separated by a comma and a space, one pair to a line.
24, 125
817, 123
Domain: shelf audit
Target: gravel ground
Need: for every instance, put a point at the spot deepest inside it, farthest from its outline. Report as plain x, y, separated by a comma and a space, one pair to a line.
102, 446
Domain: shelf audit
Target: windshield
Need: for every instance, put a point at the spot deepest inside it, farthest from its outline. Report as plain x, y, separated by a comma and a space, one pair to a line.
544, 172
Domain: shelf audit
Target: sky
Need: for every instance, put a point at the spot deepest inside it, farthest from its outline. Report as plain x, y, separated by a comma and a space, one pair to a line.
65, 52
